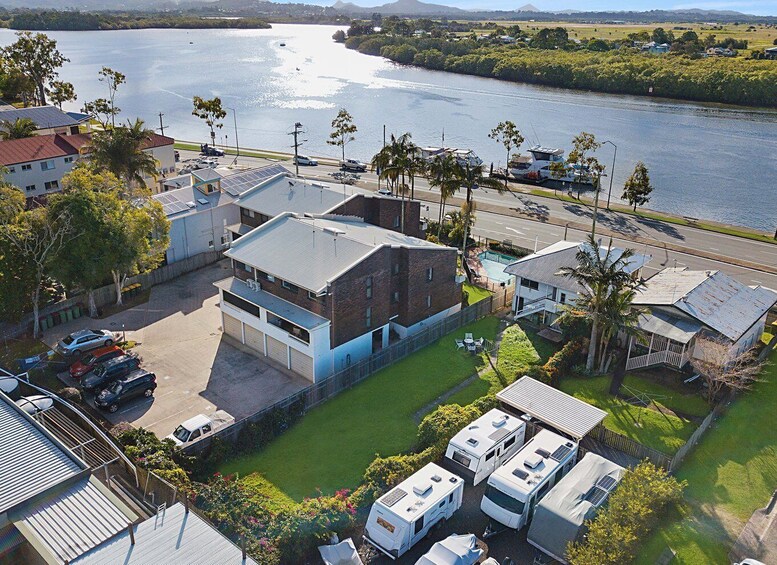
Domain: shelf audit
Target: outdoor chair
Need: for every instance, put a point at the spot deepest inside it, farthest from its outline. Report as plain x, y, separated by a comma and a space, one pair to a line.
468, 338
459, 344
479, 342
472, 348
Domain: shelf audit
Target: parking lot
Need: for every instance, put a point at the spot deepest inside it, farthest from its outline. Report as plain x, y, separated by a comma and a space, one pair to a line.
179, 338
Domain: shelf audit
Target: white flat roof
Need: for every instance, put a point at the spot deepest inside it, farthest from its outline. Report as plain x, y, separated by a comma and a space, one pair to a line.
432, 482
538, 458
485, 432
559, 410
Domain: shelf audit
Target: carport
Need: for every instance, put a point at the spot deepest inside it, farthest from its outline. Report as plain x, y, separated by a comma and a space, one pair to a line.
552, 407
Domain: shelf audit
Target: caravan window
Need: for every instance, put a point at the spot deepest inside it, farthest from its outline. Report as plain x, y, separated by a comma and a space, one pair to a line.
389, 526
459, 457
419, 525
504, 500
543, 490
490, 455
510, 441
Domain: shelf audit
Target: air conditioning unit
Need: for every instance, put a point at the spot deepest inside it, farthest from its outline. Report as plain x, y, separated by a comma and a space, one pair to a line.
254, 285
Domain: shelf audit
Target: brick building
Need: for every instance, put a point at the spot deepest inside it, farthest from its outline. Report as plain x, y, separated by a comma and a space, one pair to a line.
318, 292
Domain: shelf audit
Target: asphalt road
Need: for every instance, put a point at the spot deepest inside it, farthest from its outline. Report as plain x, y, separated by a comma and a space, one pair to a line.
541, 221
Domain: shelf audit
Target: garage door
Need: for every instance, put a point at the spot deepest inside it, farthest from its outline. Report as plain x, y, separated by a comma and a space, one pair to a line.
254, 339
278, 351
233, 327
302, 364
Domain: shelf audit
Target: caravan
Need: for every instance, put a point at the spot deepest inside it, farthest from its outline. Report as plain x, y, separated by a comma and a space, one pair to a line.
406, 513
516, 487
484, 445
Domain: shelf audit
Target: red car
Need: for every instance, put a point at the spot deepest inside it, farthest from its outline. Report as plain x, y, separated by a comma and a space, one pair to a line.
88, 362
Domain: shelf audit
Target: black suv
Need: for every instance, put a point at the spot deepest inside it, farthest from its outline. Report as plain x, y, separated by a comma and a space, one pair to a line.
105, 373
137, 383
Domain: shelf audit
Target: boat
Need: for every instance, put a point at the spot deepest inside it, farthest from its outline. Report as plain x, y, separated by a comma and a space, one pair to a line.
537, 167
283, 44
463, 156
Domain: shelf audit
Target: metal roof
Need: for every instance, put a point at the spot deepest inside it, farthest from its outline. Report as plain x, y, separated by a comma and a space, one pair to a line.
45, 117
207, 175
240, 182
544, 265
177, 538
310, 252
278, 306
286, 194
38, 148
557, 409
711, 297
32, 461
676, 329
73, 521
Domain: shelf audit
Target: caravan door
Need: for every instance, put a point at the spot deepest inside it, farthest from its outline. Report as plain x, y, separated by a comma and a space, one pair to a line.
487, 465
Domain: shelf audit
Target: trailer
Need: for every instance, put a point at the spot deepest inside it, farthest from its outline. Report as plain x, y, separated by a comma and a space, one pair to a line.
515, 488
561, 516
407, 512
484, 445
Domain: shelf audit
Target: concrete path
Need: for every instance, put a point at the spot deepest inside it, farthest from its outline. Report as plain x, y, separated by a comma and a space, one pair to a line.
758, 539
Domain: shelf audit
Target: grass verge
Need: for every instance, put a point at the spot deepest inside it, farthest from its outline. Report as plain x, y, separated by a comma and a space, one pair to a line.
730, 474
333, 444
243, 152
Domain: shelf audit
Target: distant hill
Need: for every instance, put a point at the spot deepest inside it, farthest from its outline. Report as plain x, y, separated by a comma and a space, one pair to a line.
400, 7
528, 8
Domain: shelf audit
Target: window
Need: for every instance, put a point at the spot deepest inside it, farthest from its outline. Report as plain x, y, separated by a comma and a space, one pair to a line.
313, 296
386, 524
69, 159
531, 285
450, 498
29, 187
224, 240
241, 304
195, 435
442, 503
369, 286
292, 329
368, 316
543, 490
47, 165
395, 297
490, 455
462, 459
210, 243
27, 167
428, 301
509, 442
396, 221
248, 268
250, 213
395, 269
504, 500
563, 298
290, 287
52, 185
429, 273
418, 526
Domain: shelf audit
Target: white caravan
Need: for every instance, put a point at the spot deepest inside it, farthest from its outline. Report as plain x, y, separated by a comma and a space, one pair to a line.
516, 487
484, 445
407, 512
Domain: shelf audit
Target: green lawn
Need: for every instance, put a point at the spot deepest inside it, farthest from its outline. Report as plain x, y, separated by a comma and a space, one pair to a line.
730, 474
476, 294
333, 444
661, 431
677, 396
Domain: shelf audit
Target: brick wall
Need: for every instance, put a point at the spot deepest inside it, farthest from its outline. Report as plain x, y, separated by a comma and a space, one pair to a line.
415, 286
384, 212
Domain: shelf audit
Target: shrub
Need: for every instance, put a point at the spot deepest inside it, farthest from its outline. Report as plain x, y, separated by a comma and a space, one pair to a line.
438, 427
564, 359
539, 373
486, 403
70, 394
632, 510
151, 453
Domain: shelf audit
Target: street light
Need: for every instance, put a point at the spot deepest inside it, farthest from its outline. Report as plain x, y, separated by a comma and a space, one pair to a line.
612, 170
237, 143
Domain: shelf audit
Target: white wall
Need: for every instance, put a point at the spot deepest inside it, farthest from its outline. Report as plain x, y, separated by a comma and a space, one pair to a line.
543, 291
358, 348
404, 332
165, 155
191, 234
38, 176
750, 337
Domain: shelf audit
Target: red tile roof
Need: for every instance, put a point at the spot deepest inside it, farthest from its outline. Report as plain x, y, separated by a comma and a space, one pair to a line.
40, 147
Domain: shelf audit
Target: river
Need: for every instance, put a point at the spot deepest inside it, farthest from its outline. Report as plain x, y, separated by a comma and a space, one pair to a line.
706, 161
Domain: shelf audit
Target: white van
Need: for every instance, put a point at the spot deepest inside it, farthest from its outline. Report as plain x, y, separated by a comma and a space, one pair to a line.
484, 445
407, 512
516, 487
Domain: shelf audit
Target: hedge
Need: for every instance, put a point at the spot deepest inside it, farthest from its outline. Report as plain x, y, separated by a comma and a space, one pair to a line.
564, 359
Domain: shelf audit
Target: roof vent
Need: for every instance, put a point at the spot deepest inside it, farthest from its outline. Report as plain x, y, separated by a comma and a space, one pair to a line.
520, 473
422, 489
533, 461
544, 453
499, 422
203, 201
334, 231
191, 204
436, 478
472, 441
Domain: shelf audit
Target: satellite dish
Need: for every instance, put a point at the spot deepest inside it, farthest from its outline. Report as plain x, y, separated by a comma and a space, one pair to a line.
8, 384
34, 404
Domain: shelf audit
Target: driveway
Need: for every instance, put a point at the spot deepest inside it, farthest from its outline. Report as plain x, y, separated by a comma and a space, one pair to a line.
179, 338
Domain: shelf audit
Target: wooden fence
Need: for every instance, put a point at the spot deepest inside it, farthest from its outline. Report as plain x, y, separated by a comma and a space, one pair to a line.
320, 392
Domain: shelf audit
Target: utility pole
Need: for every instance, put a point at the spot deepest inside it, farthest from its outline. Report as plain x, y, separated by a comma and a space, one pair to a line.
237, 143
161, 125
612, 170
297, 143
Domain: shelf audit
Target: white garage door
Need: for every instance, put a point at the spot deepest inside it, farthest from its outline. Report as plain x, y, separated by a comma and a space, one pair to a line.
254, 339
302, 364
278, 351
233, 327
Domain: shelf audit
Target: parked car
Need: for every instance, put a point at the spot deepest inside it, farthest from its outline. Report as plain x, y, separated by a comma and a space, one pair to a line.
304, 160
210, 151
199, 426
384, 192
206, 163
90, 361
84, 340
136, 384
353, 165
105, 373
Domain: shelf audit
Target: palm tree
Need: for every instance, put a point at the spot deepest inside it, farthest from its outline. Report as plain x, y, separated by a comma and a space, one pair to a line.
120, 151
471, 177
442, 174
394, 162
600, 278
18, 129
618, 315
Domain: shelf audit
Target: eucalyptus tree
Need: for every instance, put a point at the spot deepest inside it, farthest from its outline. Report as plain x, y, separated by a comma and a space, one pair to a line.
508, 134
37, 57
211, 112
343, 129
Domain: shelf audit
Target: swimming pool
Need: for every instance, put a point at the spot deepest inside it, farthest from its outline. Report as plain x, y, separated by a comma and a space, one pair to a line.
494, 264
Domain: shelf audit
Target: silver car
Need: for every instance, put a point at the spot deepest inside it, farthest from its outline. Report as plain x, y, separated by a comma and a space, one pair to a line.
84, 340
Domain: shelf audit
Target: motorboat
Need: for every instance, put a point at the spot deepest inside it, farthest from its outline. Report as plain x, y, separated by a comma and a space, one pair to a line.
539, 163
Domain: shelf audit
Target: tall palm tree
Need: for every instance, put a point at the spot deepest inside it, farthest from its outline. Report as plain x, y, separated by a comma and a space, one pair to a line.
471, 177
442, 174
600, 276
120, 151
394, 162
17, 129
618, 315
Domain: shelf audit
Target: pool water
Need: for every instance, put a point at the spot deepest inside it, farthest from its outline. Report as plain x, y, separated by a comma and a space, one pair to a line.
494, 264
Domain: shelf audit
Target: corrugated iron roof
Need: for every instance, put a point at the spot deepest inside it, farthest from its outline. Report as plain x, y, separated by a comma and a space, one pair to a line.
557, 409
177, 538
286, 194
676, 329
31, 461
711, 297
45, 117
72, 522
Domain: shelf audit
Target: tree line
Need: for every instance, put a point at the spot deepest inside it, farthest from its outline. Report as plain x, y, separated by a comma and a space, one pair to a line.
622, 71
86, 21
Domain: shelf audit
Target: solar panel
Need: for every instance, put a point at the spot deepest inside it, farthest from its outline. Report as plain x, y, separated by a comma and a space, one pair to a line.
606, 482
595, 495
520, 473
560, 453
238, 183
499, 435
174, 208
393, 497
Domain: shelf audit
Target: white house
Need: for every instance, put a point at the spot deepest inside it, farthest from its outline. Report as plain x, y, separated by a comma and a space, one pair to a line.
684, 305
540, 291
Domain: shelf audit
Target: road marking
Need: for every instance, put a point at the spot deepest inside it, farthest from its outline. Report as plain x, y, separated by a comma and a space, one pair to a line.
515, 230
714, 249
